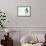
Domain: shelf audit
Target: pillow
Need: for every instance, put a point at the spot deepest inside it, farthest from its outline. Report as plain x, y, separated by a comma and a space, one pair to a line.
24, 39
28, 39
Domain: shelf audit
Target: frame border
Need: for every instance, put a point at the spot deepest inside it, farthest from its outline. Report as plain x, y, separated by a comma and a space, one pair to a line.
23, 6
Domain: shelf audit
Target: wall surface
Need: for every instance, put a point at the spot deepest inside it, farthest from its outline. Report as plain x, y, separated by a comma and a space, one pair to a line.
36, 22
38, 13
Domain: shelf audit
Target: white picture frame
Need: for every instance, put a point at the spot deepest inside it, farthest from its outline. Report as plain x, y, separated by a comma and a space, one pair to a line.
24, 11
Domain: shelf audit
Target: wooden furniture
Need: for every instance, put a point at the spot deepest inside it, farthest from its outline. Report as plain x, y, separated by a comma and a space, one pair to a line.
44, 44
8, 41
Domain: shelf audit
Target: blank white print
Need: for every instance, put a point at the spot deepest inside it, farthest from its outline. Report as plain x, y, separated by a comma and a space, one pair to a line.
24, 11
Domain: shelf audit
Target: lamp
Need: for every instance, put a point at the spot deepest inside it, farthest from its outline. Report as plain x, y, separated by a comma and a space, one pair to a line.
7, 31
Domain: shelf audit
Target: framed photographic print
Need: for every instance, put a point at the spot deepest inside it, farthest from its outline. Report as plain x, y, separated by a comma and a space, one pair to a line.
24, 11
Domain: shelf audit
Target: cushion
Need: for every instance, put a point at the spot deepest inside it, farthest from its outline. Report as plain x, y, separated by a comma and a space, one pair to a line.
26, 39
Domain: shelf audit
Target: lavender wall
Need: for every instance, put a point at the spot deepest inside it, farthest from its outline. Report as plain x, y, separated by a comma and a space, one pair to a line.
37, 20
38, 13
